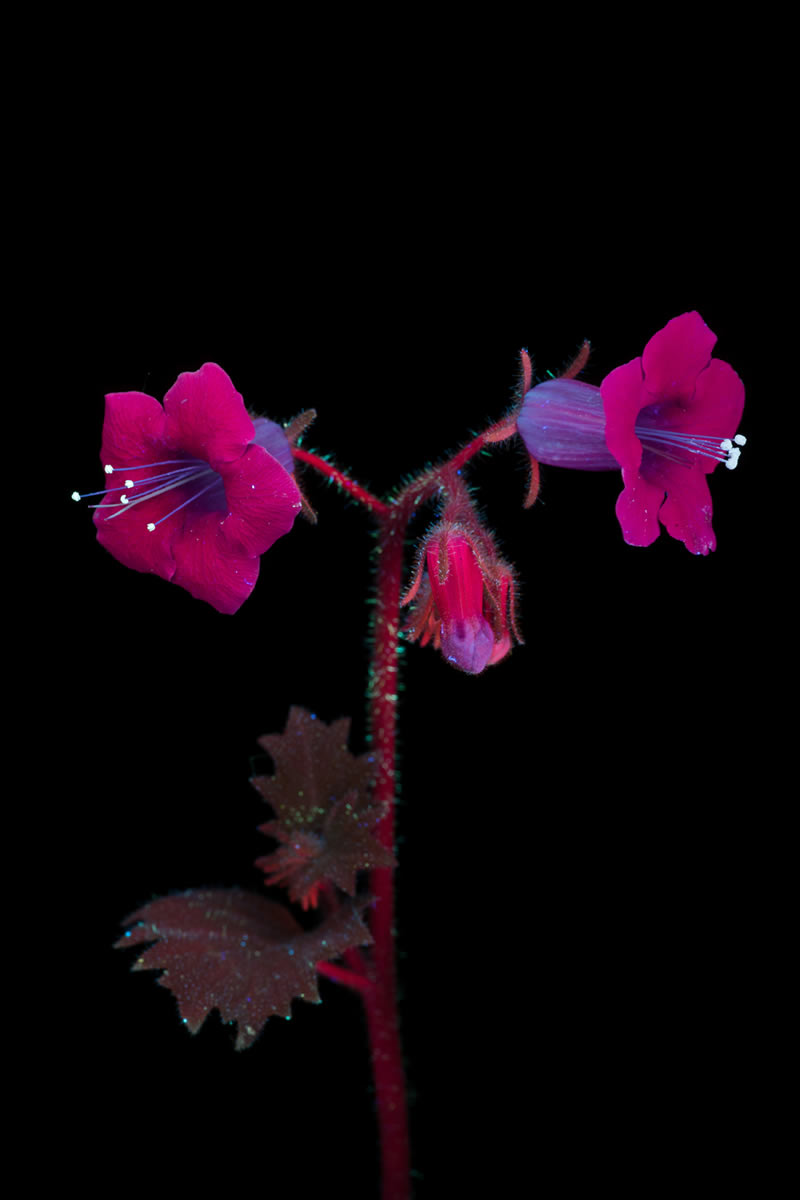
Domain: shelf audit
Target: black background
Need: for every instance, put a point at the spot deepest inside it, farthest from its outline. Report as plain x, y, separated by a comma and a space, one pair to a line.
577, 850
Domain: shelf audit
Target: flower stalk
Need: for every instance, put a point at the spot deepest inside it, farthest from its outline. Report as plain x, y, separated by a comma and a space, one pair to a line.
380, 1003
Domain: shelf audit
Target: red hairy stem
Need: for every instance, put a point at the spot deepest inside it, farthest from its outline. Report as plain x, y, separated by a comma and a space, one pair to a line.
380, 1002
337, 476
378, 990
427, 483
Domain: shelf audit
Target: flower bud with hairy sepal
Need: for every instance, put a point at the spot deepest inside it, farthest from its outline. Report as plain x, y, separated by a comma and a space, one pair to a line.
463, 598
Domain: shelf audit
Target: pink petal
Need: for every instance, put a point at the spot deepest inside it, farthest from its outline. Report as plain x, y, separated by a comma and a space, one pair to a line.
686, 512
624, 396
637, 509
133, 425
206, 417
133, 432
675, 356
718, 404
133, 544
209, 567
263, 501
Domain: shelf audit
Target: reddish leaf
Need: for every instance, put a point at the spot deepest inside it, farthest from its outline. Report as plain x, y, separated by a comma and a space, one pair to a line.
344, 846
238, 952
312, 767
319, 793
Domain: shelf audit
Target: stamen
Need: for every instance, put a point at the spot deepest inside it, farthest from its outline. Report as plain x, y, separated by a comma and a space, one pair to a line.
167, 462
102, 492
185, 473
674, 446
184, 477
181, 476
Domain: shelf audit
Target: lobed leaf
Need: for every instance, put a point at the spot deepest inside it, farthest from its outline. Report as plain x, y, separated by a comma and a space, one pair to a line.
237, 952
324, 819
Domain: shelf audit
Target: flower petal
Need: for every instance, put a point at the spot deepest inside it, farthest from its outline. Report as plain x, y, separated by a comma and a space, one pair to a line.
624, 396
133, 425
637, 508
675, 356
263, 501
133, 432
717, 406
133, 544
206, 417
468, 643
209, 567
686, 512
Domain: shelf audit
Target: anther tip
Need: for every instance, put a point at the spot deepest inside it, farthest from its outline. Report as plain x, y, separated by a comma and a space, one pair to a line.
740, 439
150, 526
76, 495
109, 470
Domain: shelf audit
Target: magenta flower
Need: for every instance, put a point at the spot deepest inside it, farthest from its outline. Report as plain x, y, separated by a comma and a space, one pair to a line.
667, 419
197, 491
464, 600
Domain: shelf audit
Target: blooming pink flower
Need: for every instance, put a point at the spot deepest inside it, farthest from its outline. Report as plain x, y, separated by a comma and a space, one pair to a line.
667, 419
203, 490
464, 600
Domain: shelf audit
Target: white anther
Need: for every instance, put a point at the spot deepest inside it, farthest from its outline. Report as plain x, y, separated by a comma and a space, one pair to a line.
123, 499
76, 495
128, 483
109, 470
732, 451
150, 526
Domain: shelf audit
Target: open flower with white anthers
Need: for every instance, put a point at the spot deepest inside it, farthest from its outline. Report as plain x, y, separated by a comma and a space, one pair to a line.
196, 490
667, 419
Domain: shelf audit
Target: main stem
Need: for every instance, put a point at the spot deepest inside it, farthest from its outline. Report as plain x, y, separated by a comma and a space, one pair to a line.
380, 994
380, 1001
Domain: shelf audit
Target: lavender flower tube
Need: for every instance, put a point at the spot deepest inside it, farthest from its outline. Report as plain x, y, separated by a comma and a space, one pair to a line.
562, 423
